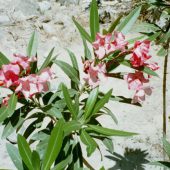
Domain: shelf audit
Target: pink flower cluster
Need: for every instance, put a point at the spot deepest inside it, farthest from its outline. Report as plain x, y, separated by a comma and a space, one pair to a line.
16, 76
140, 55
107, 44
104, 45
136, 81
94, 74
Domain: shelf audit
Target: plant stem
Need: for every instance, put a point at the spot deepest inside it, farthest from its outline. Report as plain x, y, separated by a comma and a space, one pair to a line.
165, 85
164, 94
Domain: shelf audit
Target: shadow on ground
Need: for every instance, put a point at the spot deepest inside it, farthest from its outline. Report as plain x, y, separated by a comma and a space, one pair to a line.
132, 160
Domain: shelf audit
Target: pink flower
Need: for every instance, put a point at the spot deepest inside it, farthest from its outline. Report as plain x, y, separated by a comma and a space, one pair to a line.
140, 53
119, 41
152, 66
46, 75
104, 45
95, 74
28, 86
135, 80
23, 61
140, 94
33, 84
5, 101
9, 74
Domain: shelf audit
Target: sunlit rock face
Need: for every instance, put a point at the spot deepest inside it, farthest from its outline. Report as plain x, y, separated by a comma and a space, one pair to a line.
67, 2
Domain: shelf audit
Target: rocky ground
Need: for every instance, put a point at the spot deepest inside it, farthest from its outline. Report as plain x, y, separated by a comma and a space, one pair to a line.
52, 20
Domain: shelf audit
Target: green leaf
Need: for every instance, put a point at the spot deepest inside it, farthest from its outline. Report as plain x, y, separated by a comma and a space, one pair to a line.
3, 113
8, 111
3, 59
161, 164
109, 132
109, 145
71, 126
144, 27
68, 101
62, 165
102, 102
109, 112
126, 25
154, 36
55, 112
12, 104
35, 160
73, 60
54, 145
102, 168
91, 102
25, 151
87, 52
89, 142
94, 19
12, 126
162, 52
114, 24
32, 45
166, 146
42, 146
82, 31
68, 70
150, 72
47, 61
145, 69
14, 155
165, 37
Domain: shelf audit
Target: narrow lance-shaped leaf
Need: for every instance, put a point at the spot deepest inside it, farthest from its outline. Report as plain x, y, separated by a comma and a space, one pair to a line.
73, 59
166, 146
94, 19
68, 101
14, 155
25, 151
12, 126
12, 104
32, 45
3, 59
82, 31
87, 52
63, 164
102, 101
71, 126
108, 111
109, 132
114, 24
154, 36
47, 60
35, 160
54, 145
68, 70
89, 141
91, 102
109, 144
8, 111
126, 25
3, 113
163, 164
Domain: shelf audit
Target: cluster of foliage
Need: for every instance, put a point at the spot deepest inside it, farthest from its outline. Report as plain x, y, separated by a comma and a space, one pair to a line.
58, 123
